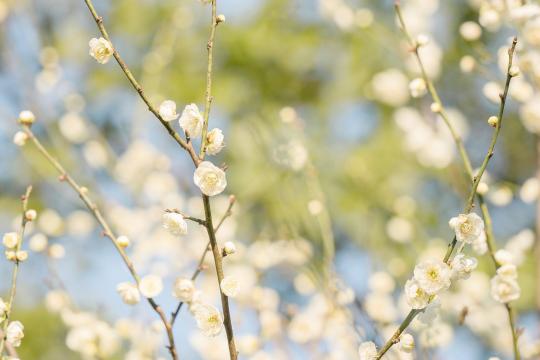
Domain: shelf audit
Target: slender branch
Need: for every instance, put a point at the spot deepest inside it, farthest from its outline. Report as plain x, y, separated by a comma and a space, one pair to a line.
208, 104
207, 248
186, 145
183, 143
475, 178
15, 273
93, 208
190, 218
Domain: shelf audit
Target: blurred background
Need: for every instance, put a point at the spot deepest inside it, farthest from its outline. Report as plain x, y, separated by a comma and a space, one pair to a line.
343, 180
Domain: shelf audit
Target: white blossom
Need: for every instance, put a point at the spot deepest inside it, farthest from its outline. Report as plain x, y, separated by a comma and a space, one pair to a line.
214, 141
191, 120
128, 292
174, 223
417, 87
21, 255
20, 138
15, 333
10, 240
504, 257
468, 227
229, 286
470, 31
406, 343
30, 215
27, 117
463, 265
38, 242
151, 286
123, 241
508, 272
101, 50
367, 351
209, 319
183, 289
167, 110
229, 248
210, 179
416, 297
504, 289
433, 276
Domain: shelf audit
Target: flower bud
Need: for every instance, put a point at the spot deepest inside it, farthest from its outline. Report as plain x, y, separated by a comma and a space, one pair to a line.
229, 248
123, 241
493, 121
26, 117
30, 215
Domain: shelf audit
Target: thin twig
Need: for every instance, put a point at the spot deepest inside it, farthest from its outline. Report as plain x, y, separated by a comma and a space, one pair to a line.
209, 98
186, 217
475, 179
207, 248
15, 273
93, 208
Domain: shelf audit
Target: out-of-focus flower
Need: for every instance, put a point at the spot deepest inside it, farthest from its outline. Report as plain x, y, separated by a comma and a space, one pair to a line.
504, 257
128, 292
215, 142
416, 297
229, 248
210, 179
10, 240
183, 289
15, 333
57, 300
470, 31
209, 319
417, 87
390, 87
504, 289
167, 110
508, 272
191, 120
367, 351
27, 117
229, 286
20, 138
101, 50
123, 241
174, 223
406, 343
463, 265
151, 286
479, 245
432, 276
468, 227
21, 255
30, 215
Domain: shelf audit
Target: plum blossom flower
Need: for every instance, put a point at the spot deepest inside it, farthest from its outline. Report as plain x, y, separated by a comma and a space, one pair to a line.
101, 50
183, 289
406, 343
416, 297
367, 351
468, 227
15, 333
417, 87
191, 120
10, 240
151, 286
433, 276
129, 293
229, 286
174, 223
504, 290
463, 265
209, 319
27, 117
20, 138
210, 179
167, 110
214, 140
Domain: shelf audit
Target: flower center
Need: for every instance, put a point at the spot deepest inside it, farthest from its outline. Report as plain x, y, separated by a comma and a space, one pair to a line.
466, 227
211, 179
432, 274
